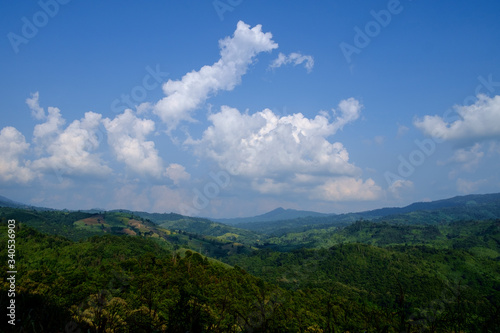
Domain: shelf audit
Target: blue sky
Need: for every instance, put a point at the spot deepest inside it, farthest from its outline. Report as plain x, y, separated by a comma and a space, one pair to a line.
233, 108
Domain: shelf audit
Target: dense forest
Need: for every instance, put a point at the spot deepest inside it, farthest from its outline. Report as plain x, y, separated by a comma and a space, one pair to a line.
125, 271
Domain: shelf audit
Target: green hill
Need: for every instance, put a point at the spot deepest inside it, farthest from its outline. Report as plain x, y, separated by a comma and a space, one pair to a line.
434, 269
483, 236
470, 207
278, 214
201, 226
134, 284
80, 225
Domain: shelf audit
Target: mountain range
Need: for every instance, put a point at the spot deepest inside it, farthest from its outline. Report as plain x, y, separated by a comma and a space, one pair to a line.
296, 270
473, 206
278, 216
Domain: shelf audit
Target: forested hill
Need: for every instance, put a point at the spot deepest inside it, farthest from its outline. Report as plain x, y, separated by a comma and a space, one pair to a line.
470, 207
134, 283
466, 201
124, 271
278, 214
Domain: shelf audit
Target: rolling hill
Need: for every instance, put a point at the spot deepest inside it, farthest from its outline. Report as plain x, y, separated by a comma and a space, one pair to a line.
277, 214
411, 270
479, 207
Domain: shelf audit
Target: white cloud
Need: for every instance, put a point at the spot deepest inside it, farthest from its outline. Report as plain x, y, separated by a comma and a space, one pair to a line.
468, 158
295, 59
349, 109
165, 199
402, 130
347, 189
493, 148
478, 121
265, 145
156, 198
237, 53
288, 154
127, 138
466, 187
33, 104
144, 108
177, 173
13, 145
398, 186
70, 149
270, 186
44, 134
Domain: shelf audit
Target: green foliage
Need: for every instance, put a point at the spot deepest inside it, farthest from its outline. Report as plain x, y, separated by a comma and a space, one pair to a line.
120, 272
210, 238
480, 236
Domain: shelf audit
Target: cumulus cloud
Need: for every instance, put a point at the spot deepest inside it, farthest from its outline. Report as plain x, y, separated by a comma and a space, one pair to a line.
237, 53
468, 158
177, 173
127, 138
144, 108
295, 59
45, 133
70, 149
265, 144
347, 189
13, 146
398, 186
475, 122
349, 110
402, 130
285, 154
466, 187
270, 186
494, 148
36, 110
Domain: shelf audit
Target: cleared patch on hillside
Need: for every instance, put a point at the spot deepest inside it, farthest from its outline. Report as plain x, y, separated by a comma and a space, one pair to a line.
129, 232
95, 220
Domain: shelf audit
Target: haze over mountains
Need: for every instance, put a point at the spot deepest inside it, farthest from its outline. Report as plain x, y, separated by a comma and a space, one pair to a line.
274, 215
280, 214
6, 202
281, 221
288, 214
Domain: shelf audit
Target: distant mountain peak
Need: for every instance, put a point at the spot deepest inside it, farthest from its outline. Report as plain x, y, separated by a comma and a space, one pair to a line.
2, 198
6, 202
277, 214
274, 212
